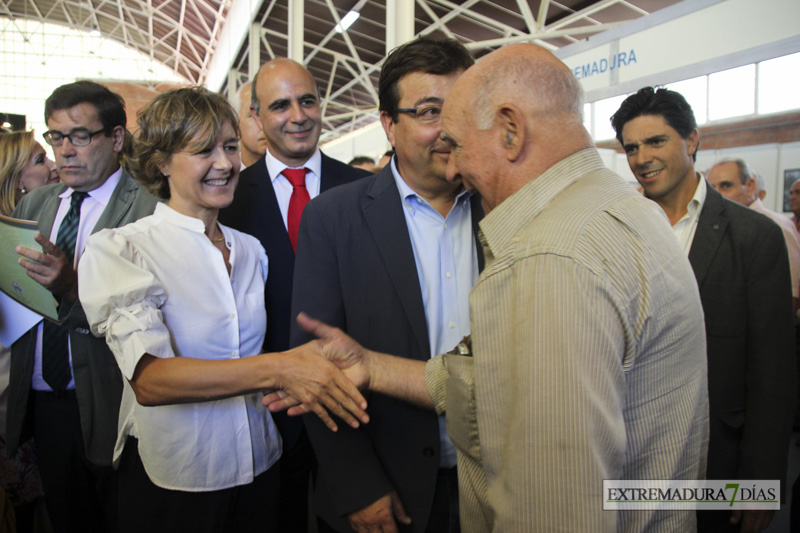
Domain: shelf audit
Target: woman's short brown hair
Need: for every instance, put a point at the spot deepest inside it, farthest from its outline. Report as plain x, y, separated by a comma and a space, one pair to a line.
171, 122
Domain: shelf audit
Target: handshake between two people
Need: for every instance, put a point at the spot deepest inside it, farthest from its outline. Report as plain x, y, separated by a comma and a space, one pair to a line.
363, 369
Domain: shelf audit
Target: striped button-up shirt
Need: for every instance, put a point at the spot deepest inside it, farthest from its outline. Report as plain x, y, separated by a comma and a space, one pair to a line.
588, 359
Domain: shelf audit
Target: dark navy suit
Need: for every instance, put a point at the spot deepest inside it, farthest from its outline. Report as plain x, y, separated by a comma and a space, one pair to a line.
357, 264
740, 261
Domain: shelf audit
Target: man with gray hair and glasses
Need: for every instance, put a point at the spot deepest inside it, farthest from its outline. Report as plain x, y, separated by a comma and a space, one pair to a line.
738, 182
65, 386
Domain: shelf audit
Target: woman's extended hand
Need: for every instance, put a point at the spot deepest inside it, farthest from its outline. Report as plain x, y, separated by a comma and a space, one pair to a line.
312, 381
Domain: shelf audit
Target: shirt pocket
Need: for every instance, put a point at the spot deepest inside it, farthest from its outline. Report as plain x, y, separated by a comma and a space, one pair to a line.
462, 414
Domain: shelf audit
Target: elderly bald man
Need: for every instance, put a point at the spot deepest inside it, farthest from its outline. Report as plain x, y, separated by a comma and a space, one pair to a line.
585, 304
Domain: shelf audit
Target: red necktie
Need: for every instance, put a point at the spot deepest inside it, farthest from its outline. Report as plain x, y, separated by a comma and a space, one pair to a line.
298, 201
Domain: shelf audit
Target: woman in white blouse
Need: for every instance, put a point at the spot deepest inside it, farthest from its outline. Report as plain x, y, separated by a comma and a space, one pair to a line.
180, 301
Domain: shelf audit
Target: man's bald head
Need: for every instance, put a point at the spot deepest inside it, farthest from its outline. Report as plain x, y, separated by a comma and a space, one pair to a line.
509, 118
280, 67
286, 104
533, 78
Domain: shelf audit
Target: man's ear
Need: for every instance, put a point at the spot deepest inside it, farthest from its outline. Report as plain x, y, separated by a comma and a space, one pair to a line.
692, 141
509, 120
388, 127
750, 188
118, 134
256, 118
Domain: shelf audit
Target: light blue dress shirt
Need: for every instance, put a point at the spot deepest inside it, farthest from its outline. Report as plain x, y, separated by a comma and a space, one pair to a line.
447, 265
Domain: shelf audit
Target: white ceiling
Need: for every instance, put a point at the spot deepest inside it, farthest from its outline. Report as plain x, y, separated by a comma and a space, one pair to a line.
184, 35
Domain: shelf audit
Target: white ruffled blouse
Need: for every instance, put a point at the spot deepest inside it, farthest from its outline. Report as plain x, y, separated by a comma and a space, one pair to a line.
158, 286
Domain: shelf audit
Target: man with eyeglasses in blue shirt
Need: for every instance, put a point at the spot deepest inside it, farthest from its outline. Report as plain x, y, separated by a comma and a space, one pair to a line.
65, 386
391, 259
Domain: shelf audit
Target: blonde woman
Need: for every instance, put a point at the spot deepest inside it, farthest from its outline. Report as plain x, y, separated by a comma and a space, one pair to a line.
24, 166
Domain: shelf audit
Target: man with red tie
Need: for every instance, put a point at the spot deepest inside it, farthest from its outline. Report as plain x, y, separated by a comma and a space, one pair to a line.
268, 204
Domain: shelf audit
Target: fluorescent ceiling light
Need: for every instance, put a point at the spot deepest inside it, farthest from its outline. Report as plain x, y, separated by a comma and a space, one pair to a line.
347, 21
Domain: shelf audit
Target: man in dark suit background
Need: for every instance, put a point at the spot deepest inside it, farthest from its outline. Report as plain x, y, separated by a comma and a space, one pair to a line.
741, 264
391, 260
285, 104
73, 413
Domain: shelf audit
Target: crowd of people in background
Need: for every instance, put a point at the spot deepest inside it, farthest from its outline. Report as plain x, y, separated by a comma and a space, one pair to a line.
477, 327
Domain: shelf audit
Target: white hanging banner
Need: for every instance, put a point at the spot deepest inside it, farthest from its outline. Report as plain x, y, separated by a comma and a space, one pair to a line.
683, 41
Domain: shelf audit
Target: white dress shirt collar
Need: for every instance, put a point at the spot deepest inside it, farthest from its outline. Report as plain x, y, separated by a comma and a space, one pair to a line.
283, 189
686, 227
407, 192
275, 166
103, 193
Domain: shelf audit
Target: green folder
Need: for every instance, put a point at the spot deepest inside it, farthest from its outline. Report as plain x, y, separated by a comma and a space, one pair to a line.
14, 280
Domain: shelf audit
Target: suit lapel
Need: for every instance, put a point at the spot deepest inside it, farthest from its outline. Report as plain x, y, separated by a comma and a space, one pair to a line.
271, 227
118, 205
48, 211
328, 177
325, 181
384, 215
711, 226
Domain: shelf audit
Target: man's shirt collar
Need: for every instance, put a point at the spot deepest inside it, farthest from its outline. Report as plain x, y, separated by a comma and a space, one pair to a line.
407, 193
103, 193
275, 167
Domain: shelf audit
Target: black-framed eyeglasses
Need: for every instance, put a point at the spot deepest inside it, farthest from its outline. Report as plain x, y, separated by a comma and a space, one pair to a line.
426, 113
77, 137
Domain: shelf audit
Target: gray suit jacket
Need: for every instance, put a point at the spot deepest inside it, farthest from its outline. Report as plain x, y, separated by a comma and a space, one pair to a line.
740, 261
98, 382
355, 270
